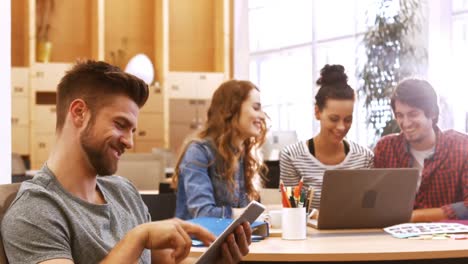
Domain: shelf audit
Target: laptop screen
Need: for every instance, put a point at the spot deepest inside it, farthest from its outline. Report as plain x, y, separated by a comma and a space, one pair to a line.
367, 198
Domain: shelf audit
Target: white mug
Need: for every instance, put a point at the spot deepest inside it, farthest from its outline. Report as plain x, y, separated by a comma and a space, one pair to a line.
275, 218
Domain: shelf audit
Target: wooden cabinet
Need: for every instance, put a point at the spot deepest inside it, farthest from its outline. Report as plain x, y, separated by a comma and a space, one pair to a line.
19, 82
155, 102
20, 110
198, 62
192, 85
189, 96
74, 31
46, 76
150, 131
147, 146
20, 139
20, 22
187, 41
44, 118
180, 134
186, 118
199, 36
41, 147
177, 35
148, 126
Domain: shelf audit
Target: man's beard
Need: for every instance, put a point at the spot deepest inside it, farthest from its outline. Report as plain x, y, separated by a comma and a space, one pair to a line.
97, 152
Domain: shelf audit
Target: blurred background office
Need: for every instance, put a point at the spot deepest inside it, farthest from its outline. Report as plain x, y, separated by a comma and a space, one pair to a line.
190, 47
281, 45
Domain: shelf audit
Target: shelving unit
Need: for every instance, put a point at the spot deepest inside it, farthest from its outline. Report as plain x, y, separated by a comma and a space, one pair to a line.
189, 96
20, 110
197, 69
199, 38
19, 33
177, 35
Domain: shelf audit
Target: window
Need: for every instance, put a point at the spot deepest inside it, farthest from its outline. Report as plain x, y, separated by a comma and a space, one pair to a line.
459, 5
290, 41
286, 95
460, 31
459, 57
270, 24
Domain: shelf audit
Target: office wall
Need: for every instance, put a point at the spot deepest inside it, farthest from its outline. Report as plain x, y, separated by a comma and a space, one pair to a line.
5, 92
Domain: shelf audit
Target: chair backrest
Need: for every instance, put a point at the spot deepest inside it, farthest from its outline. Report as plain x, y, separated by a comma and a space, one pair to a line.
144, 170
7, 194
160, 206
17, 165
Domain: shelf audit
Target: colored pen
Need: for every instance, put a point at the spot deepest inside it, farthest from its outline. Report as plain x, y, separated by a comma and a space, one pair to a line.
293, 202
284, 197
298, 189
301, 200
306, 205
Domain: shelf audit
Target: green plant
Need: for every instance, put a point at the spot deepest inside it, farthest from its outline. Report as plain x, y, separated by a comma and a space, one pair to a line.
44, 11
392, 53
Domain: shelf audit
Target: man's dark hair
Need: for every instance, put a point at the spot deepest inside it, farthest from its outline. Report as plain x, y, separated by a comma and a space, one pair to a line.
417, 93
94, 82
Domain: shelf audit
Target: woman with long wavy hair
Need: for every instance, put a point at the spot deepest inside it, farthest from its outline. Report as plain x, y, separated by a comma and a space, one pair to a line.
219, 169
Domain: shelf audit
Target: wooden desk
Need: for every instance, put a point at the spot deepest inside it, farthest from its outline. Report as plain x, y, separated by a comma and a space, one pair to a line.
351, 245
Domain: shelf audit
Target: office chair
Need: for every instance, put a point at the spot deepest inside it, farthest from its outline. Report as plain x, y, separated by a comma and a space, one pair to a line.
18, 167
7, 194
273, 176
160, 206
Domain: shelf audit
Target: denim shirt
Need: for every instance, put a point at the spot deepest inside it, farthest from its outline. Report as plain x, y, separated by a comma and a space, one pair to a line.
201, 190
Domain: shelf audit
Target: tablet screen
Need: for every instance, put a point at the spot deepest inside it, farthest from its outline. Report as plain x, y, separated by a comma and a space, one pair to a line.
251, 212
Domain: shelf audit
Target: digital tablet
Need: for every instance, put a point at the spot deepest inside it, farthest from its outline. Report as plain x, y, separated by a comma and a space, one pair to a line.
250, 214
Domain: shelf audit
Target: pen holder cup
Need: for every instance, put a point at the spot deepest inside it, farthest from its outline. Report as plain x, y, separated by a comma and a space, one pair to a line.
293, 223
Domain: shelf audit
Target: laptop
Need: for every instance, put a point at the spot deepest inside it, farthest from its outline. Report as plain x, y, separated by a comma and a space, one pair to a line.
366, 198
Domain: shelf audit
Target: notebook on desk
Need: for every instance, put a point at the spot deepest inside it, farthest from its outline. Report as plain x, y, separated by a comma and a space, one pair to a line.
366, 198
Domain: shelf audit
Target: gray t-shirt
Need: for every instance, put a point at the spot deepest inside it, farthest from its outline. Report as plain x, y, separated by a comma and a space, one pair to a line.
46, 222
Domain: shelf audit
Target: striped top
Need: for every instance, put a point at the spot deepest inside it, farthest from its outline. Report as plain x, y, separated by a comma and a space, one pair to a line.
296, 162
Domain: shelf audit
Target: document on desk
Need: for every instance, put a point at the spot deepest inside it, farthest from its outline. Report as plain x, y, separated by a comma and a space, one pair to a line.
418, 229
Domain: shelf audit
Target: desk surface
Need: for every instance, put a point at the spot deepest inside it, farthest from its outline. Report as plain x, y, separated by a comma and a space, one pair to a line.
351, 245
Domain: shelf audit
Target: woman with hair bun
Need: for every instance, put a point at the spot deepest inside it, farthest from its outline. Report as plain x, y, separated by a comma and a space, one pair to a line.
307, 160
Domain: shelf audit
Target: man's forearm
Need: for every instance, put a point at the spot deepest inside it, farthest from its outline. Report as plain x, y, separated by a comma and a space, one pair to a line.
428, 215
129, 249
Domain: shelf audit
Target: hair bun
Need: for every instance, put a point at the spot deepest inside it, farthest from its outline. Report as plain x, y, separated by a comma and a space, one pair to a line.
332, 74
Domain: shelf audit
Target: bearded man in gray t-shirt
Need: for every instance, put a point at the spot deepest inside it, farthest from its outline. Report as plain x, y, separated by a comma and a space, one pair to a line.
71, 211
